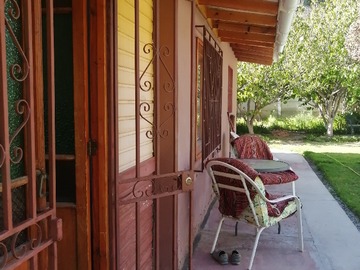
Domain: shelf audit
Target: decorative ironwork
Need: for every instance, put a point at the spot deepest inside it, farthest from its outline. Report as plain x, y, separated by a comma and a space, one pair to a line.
146, 85
162, 133
211, 94
2, 155
170, 85
20, 251
22, 107
16, 251
147, 188
17, 72
4, 257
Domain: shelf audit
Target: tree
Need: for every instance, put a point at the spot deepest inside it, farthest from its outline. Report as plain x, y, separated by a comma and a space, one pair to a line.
352, 44
324, 76
259, 86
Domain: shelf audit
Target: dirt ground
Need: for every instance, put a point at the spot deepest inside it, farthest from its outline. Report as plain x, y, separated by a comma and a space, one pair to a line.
294, 142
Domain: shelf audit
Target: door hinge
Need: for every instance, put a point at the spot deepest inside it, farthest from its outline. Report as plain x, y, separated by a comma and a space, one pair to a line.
91, 147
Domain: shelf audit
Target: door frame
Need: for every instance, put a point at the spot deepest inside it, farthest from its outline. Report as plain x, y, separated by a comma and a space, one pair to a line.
99, 134
82, 136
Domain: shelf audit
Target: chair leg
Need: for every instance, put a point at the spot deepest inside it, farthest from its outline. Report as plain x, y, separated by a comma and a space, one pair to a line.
259, 231
300, 227
293, 188
236, 228
279, 228
217, 234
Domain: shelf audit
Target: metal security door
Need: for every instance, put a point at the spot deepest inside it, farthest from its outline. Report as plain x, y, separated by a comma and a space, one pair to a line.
148, 181
29, 229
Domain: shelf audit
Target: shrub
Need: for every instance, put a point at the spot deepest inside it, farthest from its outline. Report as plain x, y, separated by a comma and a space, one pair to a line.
304, 122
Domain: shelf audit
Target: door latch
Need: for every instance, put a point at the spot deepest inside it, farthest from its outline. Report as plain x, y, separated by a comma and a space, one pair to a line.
41, 178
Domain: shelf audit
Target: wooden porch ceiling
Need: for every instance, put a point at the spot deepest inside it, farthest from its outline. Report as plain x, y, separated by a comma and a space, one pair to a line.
248, 25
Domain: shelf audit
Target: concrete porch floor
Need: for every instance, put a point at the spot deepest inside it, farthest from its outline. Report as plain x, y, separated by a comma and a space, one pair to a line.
331, 240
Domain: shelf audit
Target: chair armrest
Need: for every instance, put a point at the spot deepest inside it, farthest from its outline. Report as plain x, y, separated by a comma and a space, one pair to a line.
284, 198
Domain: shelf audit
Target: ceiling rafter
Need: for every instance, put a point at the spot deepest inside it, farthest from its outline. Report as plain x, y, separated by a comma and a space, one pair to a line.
258, 6
246, 36
237, 27
248, 25
241, 17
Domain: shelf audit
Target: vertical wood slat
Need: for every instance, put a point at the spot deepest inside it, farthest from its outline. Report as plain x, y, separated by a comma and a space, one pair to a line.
29, 97
38, 89
156, 121
4, 125
113, 77
29, 144
137, 125
51, 122
99, 128
81, 126
51, 101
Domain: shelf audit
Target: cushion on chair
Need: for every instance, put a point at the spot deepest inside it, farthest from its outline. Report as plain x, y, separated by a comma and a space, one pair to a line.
278, 177
232, 203
266, 213
236, 204
251, 146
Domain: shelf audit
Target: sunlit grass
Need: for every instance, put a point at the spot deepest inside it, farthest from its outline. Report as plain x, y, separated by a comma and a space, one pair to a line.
342, 172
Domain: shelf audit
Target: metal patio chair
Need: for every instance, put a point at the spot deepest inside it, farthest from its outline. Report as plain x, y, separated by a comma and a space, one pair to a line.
251, 146
242, 197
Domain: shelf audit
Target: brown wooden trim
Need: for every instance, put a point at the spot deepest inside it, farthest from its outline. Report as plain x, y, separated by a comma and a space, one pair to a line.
37, 159
99, 133
258, 6
236, 27
63, 157
39, 86
81, 120
15, 183
242, 17
112, 113
147, 167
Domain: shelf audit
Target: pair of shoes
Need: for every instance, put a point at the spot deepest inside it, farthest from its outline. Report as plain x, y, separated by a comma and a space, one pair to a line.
235, 257
221, 257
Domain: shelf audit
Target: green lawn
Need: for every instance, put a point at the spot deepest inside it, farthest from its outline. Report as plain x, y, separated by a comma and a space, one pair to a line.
342, 172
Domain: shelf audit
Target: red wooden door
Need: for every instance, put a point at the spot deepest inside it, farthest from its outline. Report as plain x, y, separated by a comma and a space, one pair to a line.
29, 229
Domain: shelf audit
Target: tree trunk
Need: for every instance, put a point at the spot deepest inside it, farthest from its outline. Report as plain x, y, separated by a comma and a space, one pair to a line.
330, 127
250, 125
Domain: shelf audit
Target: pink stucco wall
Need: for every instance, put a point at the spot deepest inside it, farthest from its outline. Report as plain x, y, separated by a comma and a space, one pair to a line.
202, 193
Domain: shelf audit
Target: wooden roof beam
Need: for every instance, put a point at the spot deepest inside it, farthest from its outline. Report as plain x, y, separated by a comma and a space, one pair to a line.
246, 36
258, 6
237, 46
257, 60
245, 28
254, 53
247, 42
241, 17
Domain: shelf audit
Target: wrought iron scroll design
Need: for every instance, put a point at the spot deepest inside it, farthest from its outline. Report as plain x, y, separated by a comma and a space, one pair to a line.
19, 252
22, 107
148, 187
17, 72
146, 85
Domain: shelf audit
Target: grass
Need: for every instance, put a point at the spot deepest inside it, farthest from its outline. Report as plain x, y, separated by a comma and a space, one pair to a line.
342, 172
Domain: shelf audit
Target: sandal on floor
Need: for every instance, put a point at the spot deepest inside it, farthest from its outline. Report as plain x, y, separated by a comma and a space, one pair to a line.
221, 257
235, 257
